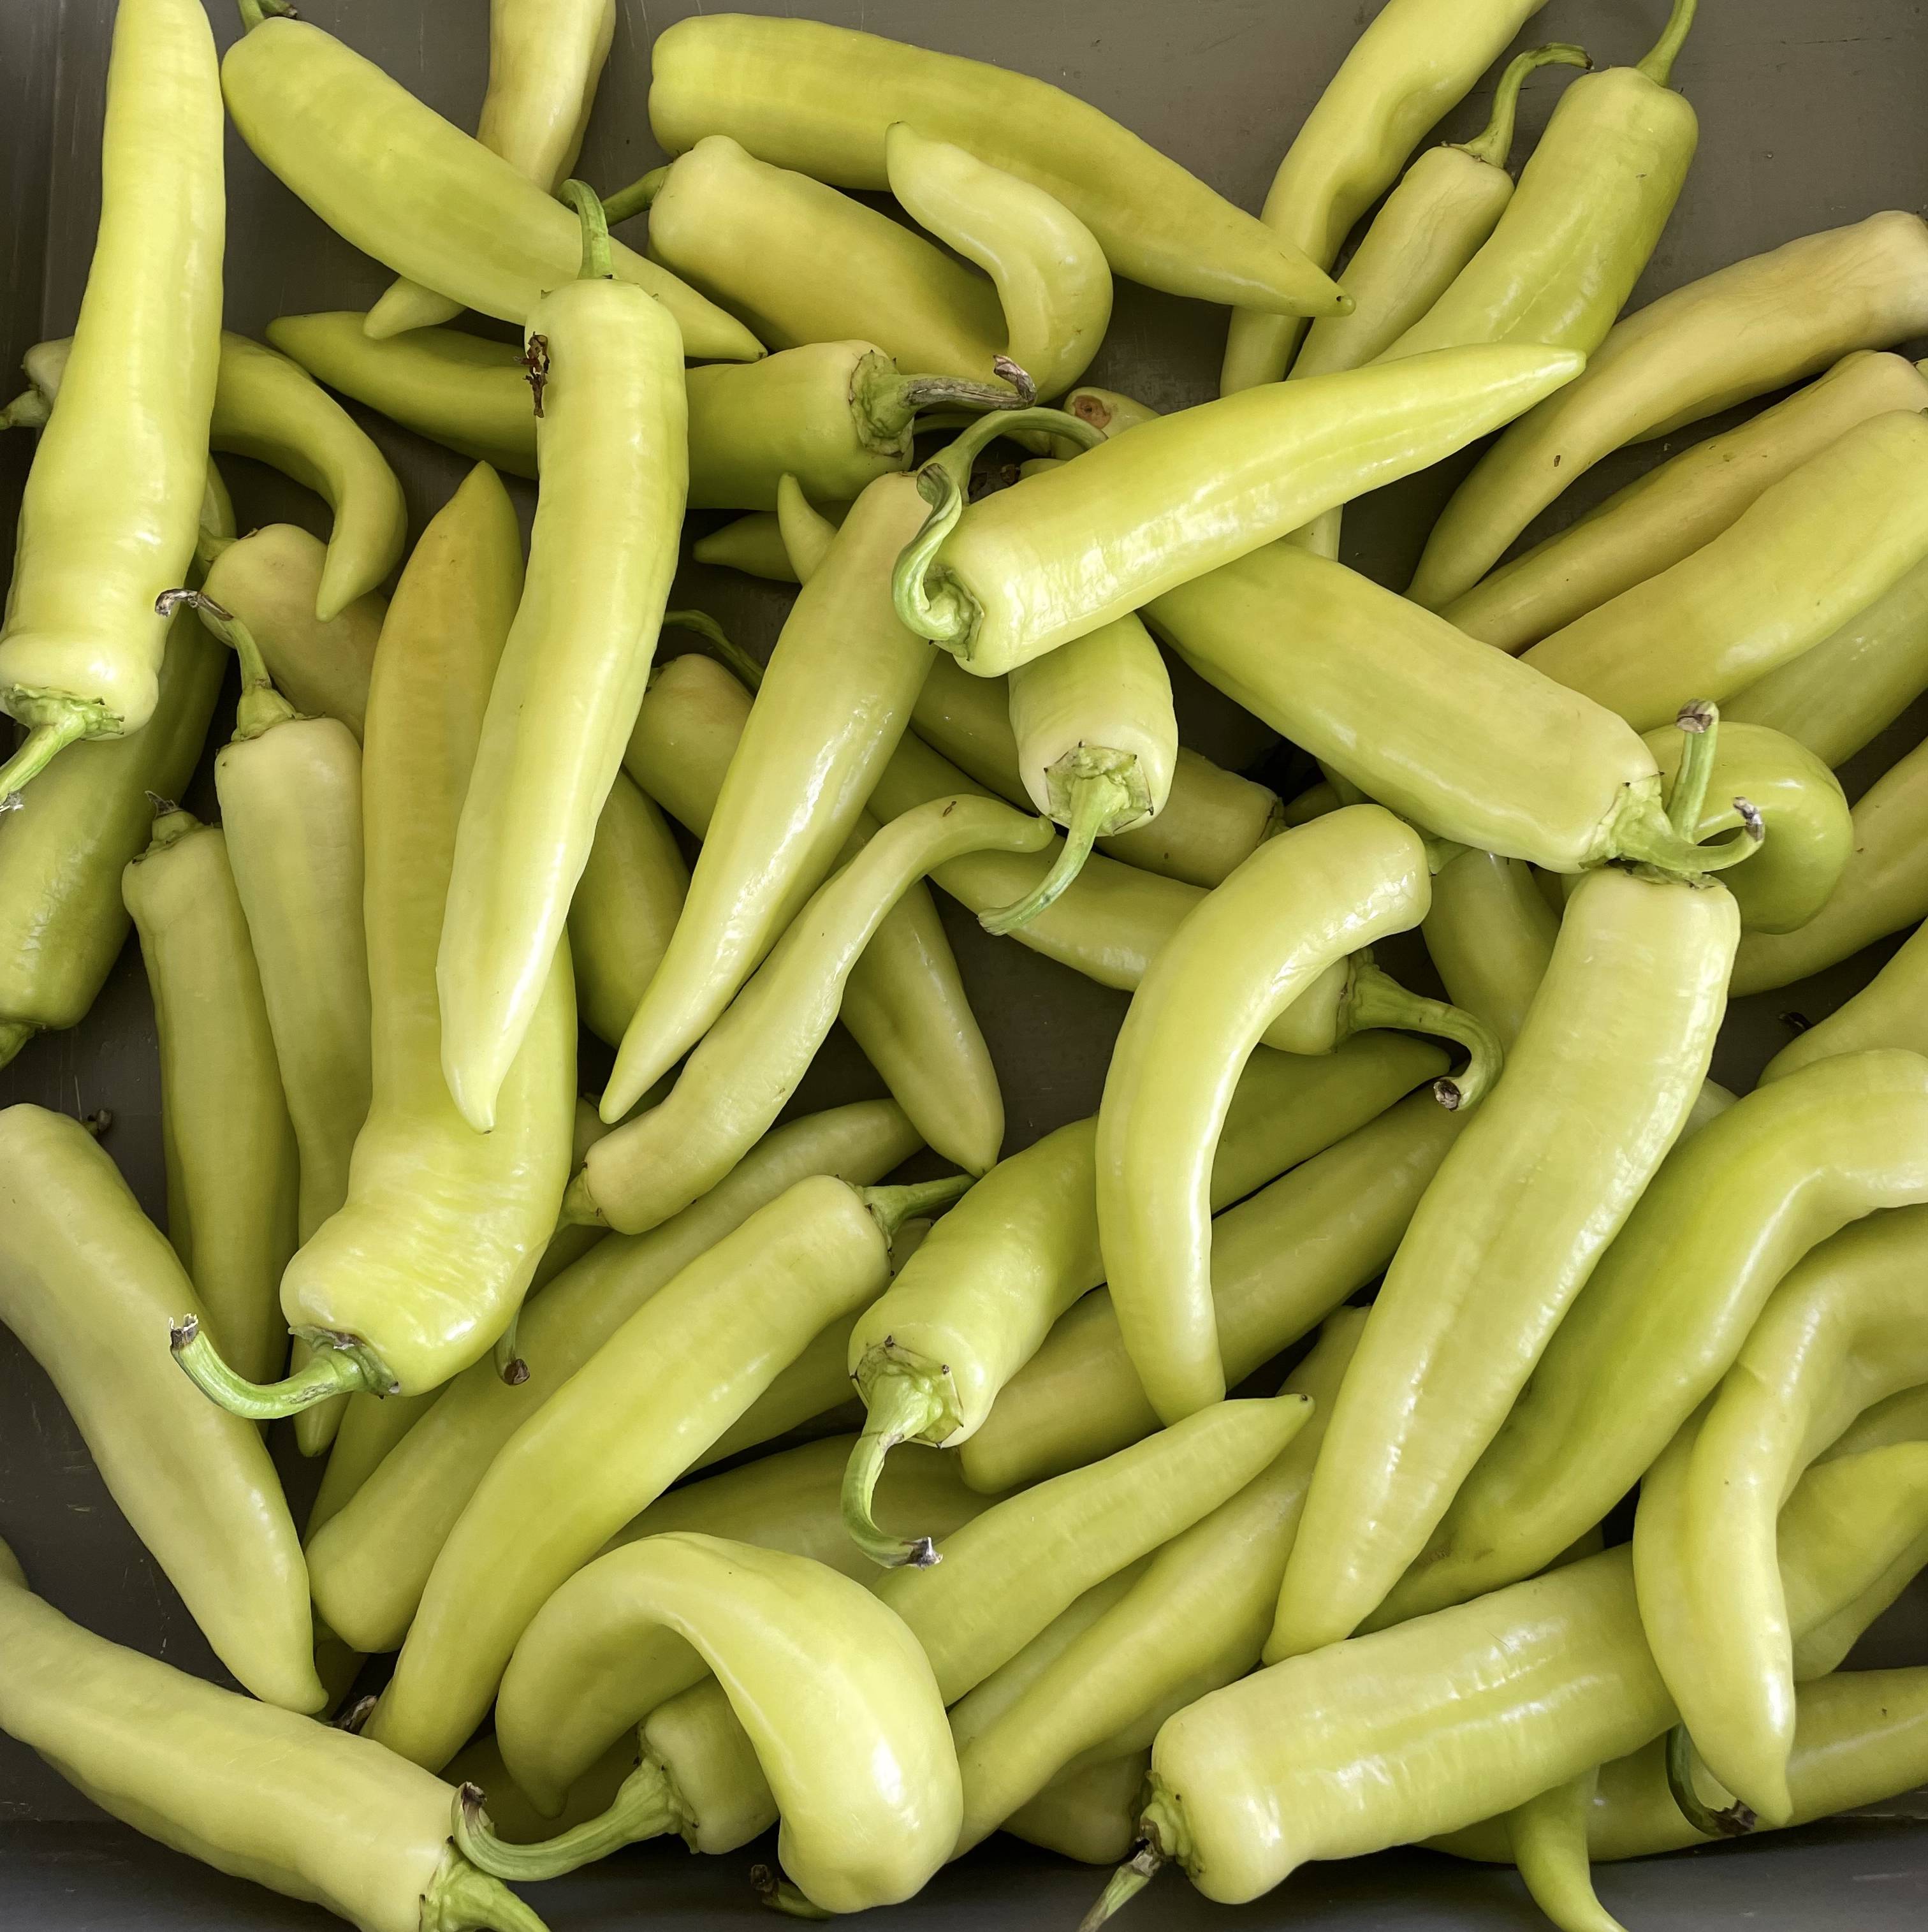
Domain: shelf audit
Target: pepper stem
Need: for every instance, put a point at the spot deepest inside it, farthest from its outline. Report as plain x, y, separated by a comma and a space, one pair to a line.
1376, 999
1686, 798
903, 1403
1658, 66
776, 1892
461, 1899
636, 197
889, 402
262, 707
340, 1366
732, 657
1101, 802
1495, 144
509, 1364
646, 1806
1646, 836
252, 12
944, 612
890, 1206
29, 410
42, 744
1127, 1882
579, 1208
595, 218
1732, 1821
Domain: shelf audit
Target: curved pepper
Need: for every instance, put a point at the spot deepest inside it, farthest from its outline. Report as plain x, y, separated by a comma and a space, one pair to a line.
1593, 200
1404, 74
1680, 505
1304, 900
1842, 1332
107, 521
748, 1064
857, 1752
602, 553
369, 1565
1670, 1305
544, 61
1598, 1085
1890, 1010
586, 1671
86, 1282
1807, 554
1754, 326
931, 1358
1194, 1620
835, 700
1012, 576
309, 1810
233, 1166
658, 1393
904, 1002
423, 1266
823, 100
1884, 887
390, 176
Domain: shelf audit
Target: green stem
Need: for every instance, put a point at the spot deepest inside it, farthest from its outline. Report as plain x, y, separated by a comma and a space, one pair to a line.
171, 824
775, 1890
579, 1208
29, 410
262, 707
731, 657
904, 1403
636, 197
509, 1364
1645, 836
1658, 66
1496, 143
340, 1366
647, 1805
889, 402
43, 743
1375, 1000
461, 1899
1127, 1882
890, 1206
589, 210
1699, 722
1732, 1821
1100, 801
944, 612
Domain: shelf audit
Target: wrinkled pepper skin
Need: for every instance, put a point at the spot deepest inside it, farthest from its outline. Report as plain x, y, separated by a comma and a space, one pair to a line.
88, 1285
1669, 1307
310, 1811
108, 519
823, 100
1754, 326
1596, 1091
389, 175
1305, 900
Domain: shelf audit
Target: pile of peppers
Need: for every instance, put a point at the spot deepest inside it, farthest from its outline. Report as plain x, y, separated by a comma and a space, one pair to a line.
1418, 1406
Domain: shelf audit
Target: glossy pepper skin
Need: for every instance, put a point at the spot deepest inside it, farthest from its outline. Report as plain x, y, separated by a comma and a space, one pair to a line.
835, 698
392, 176
1884, 888
1090, 1815
904, 1002
544, 61
108, 519
423, 1266
588, 1669
369, 1567
1281, 1262
747, 1066
1490, 936
1754, 326
1406, 72
1597, 1088
1809, 552
608, 505
1888, 1011
89, 1284
1593, 200
822, 100
685, 1365
233, 1164
933, 1356
1669, 1307
1305, 900
1680, 505
1841, 1334
1011, 577
624, 908
312, 1812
